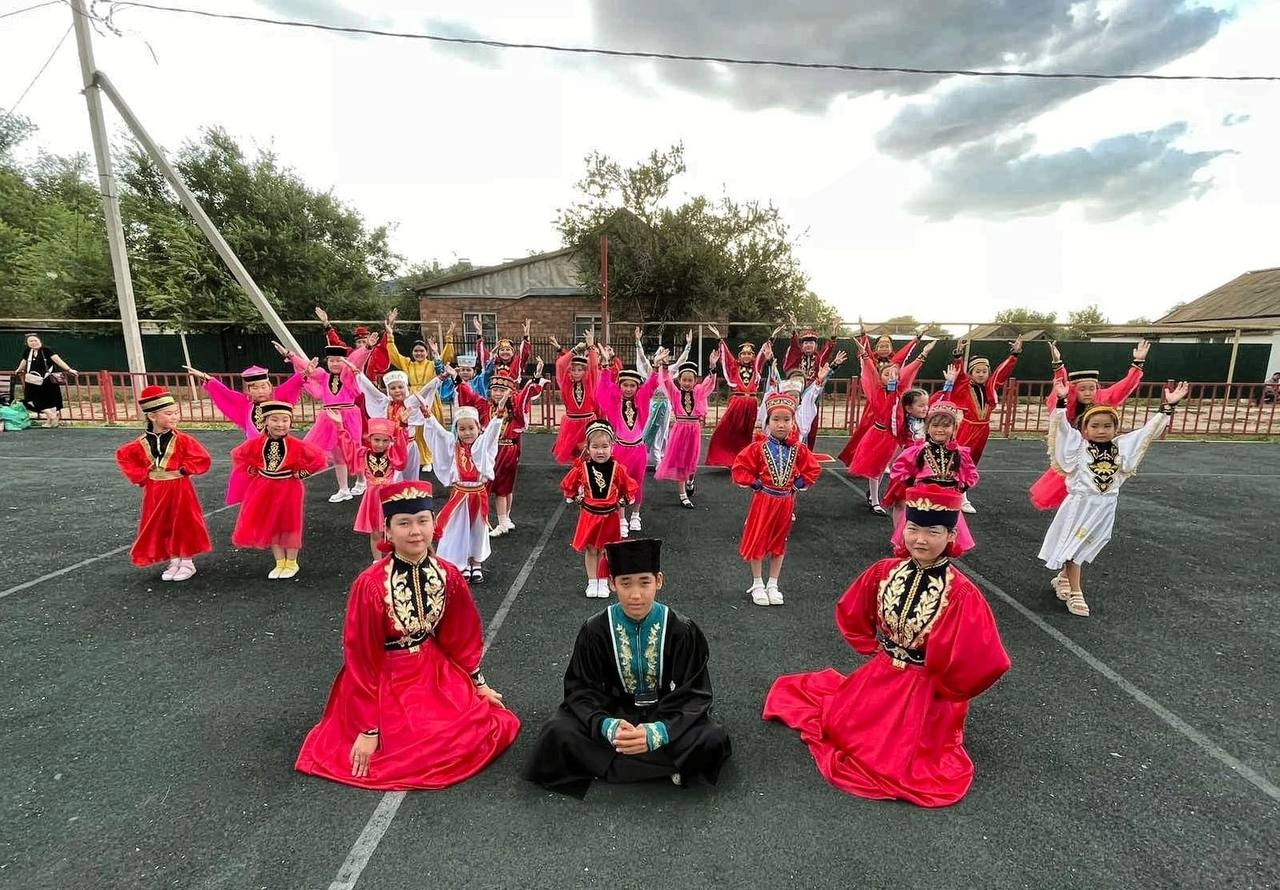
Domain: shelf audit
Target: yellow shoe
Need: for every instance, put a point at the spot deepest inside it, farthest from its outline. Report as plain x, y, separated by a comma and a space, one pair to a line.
275, 573
290, 569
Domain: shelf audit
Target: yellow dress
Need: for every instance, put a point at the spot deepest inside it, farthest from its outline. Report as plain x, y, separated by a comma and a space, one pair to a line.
421, 373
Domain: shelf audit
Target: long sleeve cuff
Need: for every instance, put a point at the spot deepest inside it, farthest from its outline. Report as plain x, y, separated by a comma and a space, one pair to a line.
655, 735
609, 728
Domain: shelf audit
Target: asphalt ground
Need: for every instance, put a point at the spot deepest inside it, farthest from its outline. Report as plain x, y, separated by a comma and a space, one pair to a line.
150, 728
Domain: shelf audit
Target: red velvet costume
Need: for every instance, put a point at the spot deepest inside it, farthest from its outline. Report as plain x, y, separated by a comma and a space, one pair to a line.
411, 646
171, 524
271, 513
1050, 490
894, 728
796, 357
776, 466
514, 368
876, 449
867, 418
579, 406
515, 417
737, 425
977, 401
601, 489
379, 470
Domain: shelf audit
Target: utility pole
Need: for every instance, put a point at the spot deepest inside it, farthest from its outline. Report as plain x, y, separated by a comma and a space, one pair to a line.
110, 198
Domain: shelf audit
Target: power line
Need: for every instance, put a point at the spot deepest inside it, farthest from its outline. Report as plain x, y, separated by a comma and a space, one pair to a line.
678, 57
57, 47
30, 8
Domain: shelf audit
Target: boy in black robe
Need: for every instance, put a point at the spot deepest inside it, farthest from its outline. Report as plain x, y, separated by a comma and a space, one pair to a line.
637, 695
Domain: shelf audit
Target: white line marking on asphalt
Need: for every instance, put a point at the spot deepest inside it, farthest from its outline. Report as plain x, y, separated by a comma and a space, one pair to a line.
1198, 738
101, 556
380, 821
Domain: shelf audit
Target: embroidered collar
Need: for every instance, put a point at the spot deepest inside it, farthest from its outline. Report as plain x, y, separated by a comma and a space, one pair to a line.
637, 647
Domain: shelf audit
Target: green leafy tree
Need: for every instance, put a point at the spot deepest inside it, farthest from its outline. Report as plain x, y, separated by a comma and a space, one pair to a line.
1082, 321
904, 325
1029, 320
697, 258
403, 295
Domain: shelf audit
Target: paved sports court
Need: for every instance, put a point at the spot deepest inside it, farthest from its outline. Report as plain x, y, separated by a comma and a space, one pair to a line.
150, 728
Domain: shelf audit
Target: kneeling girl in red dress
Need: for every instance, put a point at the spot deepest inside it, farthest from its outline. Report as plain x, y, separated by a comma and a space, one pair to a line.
774, 467
603, 488
894, 728
162, 460
377, 461
271, 512
410, 707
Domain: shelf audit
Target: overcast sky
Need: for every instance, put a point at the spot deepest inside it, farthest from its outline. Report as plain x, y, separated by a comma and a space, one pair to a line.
946, 198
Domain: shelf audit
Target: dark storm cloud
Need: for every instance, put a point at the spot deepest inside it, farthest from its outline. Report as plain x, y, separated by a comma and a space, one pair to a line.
1133, 173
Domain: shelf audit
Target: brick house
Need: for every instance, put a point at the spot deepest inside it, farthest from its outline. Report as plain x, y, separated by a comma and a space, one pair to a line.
543, 288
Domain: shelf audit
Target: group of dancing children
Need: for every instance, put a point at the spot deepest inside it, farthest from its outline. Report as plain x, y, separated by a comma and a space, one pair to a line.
380, 421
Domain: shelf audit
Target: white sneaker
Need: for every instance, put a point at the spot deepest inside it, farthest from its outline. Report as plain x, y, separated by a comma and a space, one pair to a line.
635, 522
167, 574
758, 596
773, 594
623, 528
603, 590
507, 523
498, 530
966, 507
342, 494
186, 568
275, 573
592, 583
358, 488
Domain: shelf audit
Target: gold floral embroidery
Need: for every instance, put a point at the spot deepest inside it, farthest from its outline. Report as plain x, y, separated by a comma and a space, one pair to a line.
780, 471
629, 413
379, 465
1104, 464
941, 462
651, 657
625, 657
579, 393
415, 599
273, 455
597, 481
746, 373
910, 600
686, 402
335, 383
259, 422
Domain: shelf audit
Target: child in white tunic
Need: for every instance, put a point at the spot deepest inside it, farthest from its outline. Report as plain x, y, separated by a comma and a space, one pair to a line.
1095, 462
464, 460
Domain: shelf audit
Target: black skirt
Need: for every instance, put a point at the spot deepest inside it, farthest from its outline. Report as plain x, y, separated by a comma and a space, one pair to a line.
43, 397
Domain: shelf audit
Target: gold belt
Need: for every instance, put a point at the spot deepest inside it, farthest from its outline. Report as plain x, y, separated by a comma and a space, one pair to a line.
469, 488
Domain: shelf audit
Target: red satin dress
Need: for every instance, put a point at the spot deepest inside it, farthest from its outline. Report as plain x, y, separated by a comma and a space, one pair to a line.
894, 728
171, 524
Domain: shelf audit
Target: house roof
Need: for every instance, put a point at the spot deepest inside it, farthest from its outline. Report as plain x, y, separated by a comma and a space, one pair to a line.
1002, 330
487, 270
1253, 296
1160, 328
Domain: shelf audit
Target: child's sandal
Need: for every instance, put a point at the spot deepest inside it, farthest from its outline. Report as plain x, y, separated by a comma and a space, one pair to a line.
685, 502
1076, 604
1061, 586
477, 576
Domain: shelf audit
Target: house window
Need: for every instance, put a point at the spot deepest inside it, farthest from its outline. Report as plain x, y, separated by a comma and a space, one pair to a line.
488, 324
584, 323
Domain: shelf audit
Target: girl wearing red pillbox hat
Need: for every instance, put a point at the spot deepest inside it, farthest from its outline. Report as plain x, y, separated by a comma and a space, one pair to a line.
378, 459
894, 728
410, 707
171, 527
774, 467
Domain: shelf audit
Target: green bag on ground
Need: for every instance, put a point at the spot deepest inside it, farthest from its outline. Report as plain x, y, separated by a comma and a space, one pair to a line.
14, 417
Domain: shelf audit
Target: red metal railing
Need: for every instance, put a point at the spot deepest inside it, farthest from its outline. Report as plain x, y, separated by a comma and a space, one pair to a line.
1213, 410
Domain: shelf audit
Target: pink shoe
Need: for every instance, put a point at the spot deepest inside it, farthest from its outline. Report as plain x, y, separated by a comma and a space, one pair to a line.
186, 569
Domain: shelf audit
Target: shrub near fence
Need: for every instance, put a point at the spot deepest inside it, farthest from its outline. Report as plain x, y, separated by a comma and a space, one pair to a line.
1213, 410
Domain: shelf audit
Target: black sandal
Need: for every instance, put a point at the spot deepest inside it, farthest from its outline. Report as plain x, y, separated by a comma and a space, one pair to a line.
878, 510
685, 502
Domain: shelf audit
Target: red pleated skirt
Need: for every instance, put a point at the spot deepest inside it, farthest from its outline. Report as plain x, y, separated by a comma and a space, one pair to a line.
171, 524
571, 439
504, 469
974, 435
369, 516
595, 530
635, 460
734, 431
1049, 491
271, 514
768, 526
874, 453
435, 730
